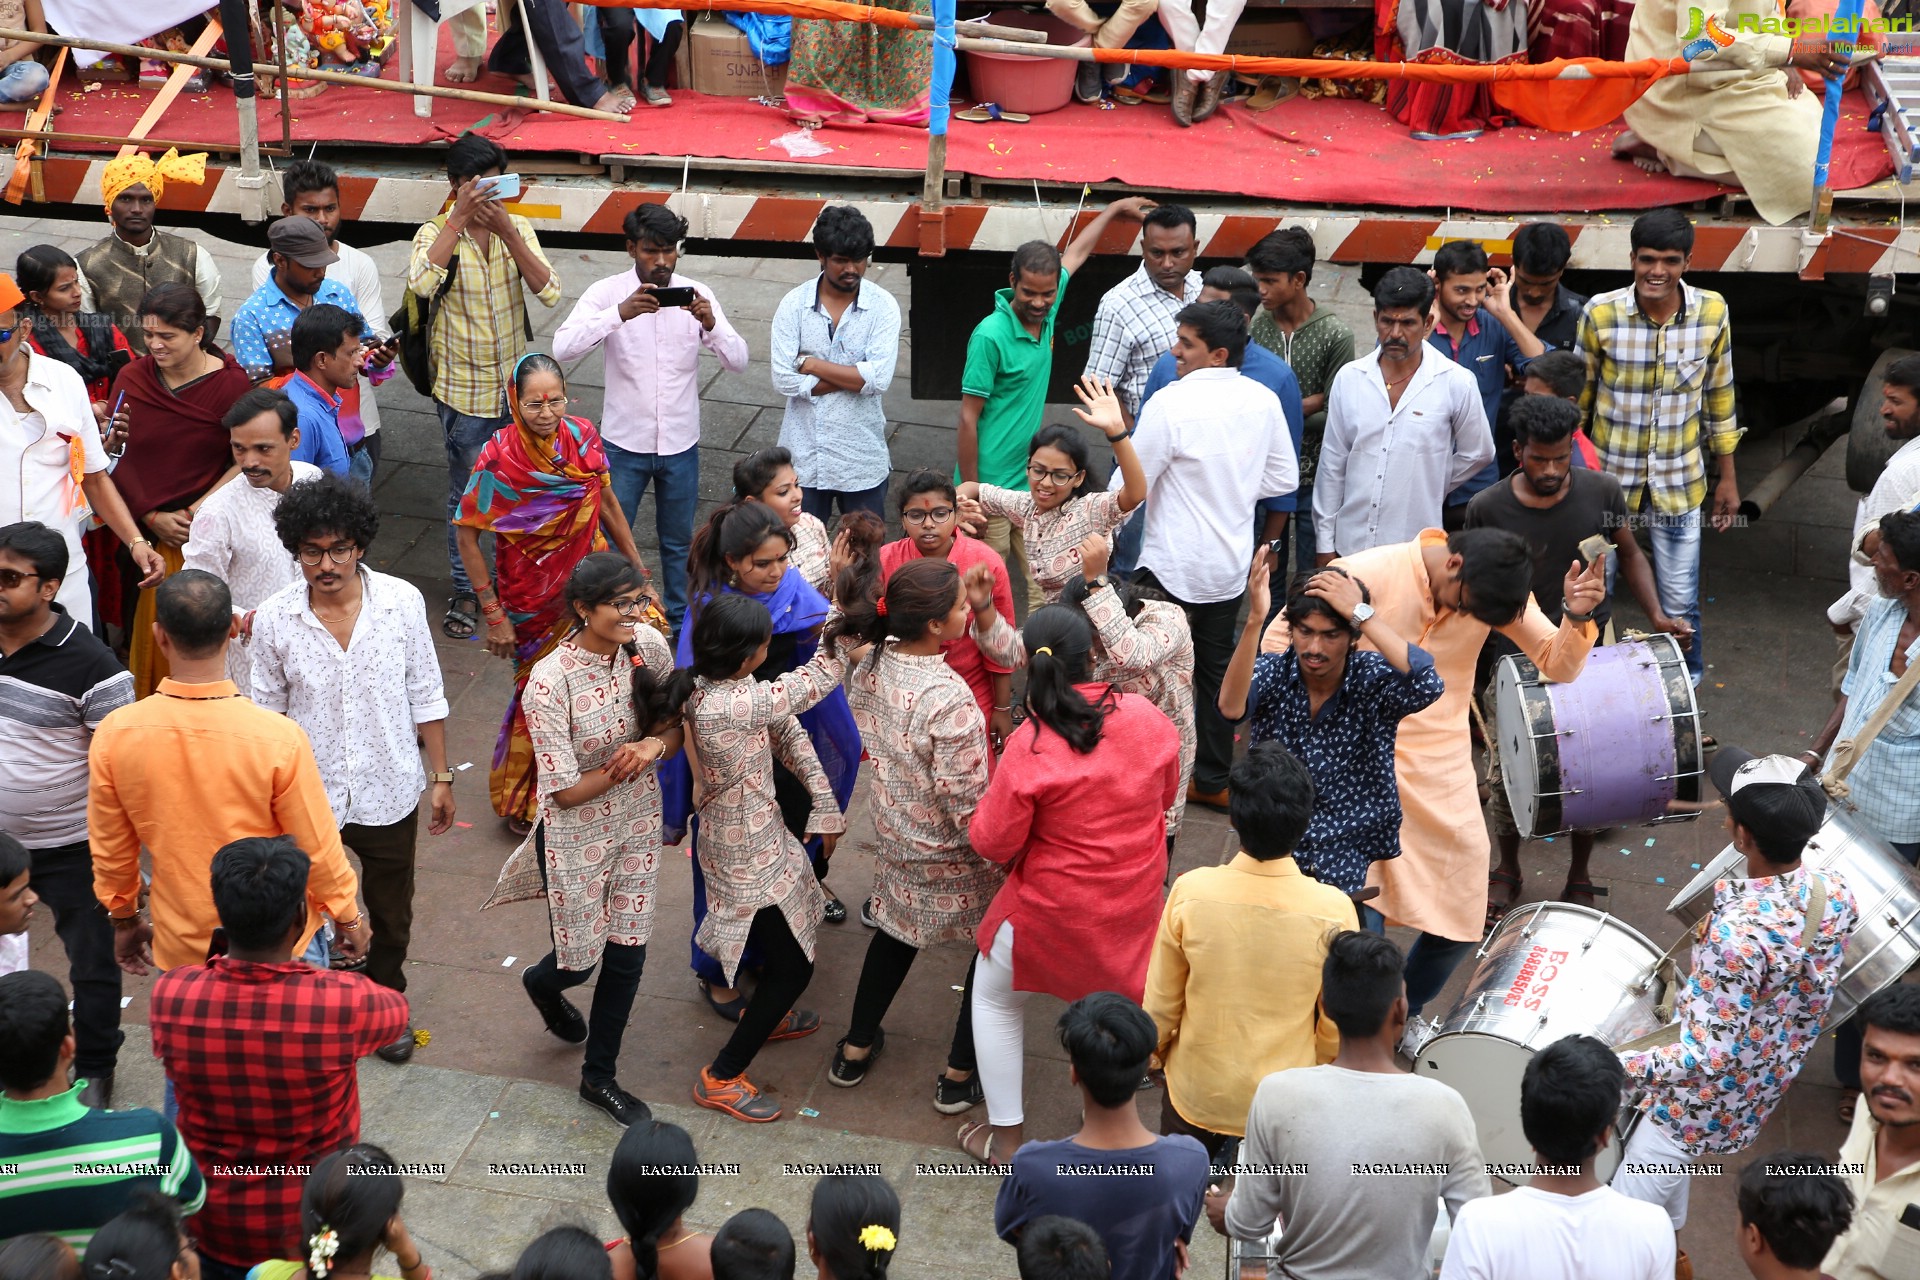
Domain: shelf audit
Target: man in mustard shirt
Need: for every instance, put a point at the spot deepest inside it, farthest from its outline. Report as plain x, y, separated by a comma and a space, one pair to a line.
1881, 1157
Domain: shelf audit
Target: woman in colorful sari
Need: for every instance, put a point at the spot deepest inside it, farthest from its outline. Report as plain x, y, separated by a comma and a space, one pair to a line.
853, 73
539, 486
743, 549
177, 451
1453, 32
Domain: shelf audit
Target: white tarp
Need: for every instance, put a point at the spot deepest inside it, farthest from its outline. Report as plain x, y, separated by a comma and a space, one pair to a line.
117, 21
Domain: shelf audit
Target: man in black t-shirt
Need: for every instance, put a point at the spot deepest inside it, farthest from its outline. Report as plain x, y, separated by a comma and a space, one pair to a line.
1555, 506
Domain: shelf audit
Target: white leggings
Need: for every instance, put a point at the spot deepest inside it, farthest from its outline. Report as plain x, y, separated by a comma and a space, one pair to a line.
1000, 1031
1190, 37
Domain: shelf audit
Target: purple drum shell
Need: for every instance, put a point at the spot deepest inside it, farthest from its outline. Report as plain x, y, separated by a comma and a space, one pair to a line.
1617, 749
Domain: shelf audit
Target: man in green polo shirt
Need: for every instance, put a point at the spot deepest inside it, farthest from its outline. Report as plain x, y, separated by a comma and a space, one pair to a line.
1003, 390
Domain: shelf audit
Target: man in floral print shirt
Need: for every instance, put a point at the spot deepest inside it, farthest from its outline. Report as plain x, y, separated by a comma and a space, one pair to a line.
1762, 980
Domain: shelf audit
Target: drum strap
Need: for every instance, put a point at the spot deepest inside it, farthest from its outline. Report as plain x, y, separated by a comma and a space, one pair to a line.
1848, 751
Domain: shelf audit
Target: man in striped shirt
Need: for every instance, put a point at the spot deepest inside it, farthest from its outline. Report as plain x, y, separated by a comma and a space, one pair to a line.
72, 1167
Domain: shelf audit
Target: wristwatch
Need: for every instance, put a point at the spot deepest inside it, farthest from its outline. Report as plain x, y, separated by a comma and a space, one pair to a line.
446, 777
1361, 613
1100, 581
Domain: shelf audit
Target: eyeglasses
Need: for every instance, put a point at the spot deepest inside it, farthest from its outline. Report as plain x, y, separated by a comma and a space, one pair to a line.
339, 555
927, 515
541, 408
11, 578
626, 608
1037, 473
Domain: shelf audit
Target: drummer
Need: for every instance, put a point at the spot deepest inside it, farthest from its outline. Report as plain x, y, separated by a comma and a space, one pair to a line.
1445, 593
1555, 506
1765, 963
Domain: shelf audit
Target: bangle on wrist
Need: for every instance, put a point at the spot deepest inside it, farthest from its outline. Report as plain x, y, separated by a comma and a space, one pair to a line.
139, 542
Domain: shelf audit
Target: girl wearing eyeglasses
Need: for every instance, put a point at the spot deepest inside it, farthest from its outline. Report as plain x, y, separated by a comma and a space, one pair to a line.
1061, 508
540, 486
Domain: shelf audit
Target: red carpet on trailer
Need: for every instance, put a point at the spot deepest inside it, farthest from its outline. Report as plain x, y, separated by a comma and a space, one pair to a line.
1304, 152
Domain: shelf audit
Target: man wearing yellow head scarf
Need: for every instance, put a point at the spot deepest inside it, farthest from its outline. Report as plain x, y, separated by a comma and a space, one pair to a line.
117, 272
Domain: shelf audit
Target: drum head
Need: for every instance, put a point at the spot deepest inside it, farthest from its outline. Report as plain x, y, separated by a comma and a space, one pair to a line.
1486, 1071
1529, 752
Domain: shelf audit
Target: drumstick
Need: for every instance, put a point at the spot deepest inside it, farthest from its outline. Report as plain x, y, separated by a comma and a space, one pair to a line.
1367, 894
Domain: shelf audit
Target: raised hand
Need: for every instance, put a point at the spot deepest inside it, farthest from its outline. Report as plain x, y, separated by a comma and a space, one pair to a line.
1584, 590
1102, 406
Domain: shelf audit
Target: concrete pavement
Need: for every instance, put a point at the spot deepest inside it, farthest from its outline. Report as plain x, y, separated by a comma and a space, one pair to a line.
493, 1088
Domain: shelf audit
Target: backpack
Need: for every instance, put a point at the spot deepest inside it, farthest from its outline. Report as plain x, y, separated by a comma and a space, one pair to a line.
412, 323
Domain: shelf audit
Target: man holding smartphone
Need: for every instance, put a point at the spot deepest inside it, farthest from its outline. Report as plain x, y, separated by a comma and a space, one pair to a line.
654, 323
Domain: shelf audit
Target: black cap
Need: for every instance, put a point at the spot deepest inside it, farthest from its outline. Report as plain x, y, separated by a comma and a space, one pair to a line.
1777, 795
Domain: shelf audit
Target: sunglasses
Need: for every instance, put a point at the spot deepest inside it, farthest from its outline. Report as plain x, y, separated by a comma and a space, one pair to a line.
11, 578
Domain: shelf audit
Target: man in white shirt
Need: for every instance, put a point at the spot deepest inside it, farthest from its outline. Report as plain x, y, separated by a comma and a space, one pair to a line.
45, 419
1312, 1130
1212, 445
1405, 427
346, 654
651, 422
1565, 1224
311, 189
233, 536
1897, 489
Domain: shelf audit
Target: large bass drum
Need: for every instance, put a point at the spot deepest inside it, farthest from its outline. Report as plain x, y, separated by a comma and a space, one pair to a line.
1886, 940
1551, 970
1609, 749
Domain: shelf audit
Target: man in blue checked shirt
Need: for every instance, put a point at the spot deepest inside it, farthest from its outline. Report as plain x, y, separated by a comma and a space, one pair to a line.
1476, 327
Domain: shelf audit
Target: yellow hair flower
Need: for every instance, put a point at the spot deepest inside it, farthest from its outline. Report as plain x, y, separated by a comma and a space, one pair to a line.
876, 1238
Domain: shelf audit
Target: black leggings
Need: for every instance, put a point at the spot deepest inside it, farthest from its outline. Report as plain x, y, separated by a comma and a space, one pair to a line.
613, 995
788, 971
888, 960
617, 33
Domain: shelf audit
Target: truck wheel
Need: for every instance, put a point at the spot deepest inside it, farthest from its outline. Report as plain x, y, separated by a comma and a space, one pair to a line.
1868, 445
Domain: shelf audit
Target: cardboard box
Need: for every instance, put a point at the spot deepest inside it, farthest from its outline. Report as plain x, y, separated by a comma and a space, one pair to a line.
719, 61
1271, 35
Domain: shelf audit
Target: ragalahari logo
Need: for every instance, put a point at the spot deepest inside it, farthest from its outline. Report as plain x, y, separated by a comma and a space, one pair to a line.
1704, 35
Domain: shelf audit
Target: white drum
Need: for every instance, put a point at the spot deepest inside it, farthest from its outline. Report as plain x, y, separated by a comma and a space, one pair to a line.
1885, 942
1551, 970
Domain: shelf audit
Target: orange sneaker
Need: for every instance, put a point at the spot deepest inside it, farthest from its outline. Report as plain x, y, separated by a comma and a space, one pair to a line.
736, 1097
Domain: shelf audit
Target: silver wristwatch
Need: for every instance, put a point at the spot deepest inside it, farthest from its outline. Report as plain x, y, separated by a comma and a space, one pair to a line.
1361, 612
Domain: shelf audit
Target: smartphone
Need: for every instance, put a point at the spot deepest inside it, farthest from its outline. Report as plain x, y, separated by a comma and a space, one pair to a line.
680, 296
504, 187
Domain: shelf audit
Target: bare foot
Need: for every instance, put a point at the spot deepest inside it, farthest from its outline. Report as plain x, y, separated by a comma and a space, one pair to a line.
463, 71
618, 101
1628, 146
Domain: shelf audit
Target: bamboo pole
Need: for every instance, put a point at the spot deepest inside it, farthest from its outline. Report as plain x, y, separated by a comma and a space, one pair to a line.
325, 77
110, 139
176, 81
1022, 35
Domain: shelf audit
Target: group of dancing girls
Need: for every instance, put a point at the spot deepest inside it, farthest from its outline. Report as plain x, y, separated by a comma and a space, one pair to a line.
748, 739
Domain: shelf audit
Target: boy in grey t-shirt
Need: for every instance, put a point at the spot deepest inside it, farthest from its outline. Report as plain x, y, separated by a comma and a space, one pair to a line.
1354, 1156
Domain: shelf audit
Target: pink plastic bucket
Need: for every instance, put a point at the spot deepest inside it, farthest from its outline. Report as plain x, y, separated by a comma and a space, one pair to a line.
1020, 83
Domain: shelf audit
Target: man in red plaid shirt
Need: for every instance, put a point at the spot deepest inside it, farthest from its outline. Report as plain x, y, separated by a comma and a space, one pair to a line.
261, 1050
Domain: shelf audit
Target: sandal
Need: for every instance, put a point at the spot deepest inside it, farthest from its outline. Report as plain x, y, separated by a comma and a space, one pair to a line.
460, 622
733, 1010
518, 828
972, 1129
1582, 893
1497, 910
990, 112
1849, 1099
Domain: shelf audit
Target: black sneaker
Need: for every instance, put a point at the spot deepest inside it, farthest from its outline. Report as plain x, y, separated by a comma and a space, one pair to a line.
616, 1102
1086, 82
845, 1072
866, 915
836, 911
558, 1012
951, 1097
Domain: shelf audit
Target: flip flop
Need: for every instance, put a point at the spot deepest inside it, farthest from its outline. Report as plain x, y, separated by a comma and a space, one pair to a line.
990, 112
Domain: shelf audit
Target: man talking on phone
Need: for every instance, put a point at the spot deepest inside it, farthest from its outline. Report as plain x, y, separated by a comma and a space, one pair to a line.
654, 324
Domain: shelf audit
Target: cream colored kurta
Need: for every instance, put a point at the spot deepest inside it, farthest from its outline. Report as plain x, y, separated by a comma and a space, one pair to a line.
1735, 125
1439, 882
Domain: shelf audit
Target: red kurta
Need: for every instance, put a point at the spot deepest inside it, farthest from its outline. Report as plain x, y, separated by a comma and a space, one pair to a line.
1087, 840
963, 655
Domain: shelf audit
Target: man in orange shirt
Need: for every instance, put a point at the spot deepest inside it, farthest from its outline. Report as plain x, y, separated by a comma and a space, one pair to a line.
192, 769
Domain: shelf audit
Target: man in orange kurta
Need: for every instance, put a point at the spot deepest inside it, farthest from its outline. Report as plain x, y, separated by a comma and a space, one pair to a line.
1424, 590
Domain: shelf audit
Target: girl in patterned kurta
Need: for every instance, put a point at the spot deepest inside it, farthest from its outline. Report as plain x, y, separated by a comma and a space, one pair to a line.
760, 886
603, 711
928, 744
768, 476
1061, 507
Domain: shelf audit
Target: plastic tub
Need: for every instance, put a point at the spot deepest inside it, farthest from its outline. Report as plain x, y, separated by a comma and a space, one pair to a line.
1021, 83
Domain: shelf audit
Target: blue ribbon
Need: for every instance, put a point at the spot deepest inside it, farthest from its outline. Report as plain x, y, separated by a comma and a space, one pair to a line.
1845, 27
944, 44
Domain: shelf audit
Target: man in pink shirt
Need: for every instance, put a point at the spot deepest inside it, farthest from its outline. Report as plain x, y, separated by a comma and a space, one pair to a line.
654, 323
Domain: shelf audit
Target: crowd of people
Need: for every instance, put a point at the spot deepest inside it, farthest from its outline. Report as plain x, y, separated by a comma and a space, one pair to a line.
215, 683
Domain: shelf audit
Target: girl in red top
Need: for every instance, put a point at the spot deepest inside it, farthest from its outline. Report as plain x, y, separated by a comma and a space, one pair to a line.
929, 508
1077, 809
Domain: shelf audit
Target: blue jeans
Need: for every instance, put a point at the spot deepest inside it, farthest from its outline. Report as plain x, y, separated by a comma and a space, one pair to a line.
24, 81
819, 503
1128, 540
676, 491
360, 469
464, 435
1430, 962
1676, 578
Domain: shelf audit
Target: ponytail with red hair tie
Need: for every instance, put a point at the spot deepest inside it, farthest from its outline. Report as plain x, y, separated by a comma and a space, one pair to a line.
880, 605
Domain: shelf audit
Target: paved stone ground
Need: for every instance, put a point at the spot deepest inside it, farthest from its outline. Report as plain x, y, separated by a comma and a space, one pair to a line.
491, 1087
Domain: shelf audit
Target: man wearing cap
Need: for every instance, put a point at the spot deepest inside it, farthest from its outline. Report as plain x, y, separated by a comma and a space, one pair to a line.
116, 272
52, 465
1765, 962
263, 326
